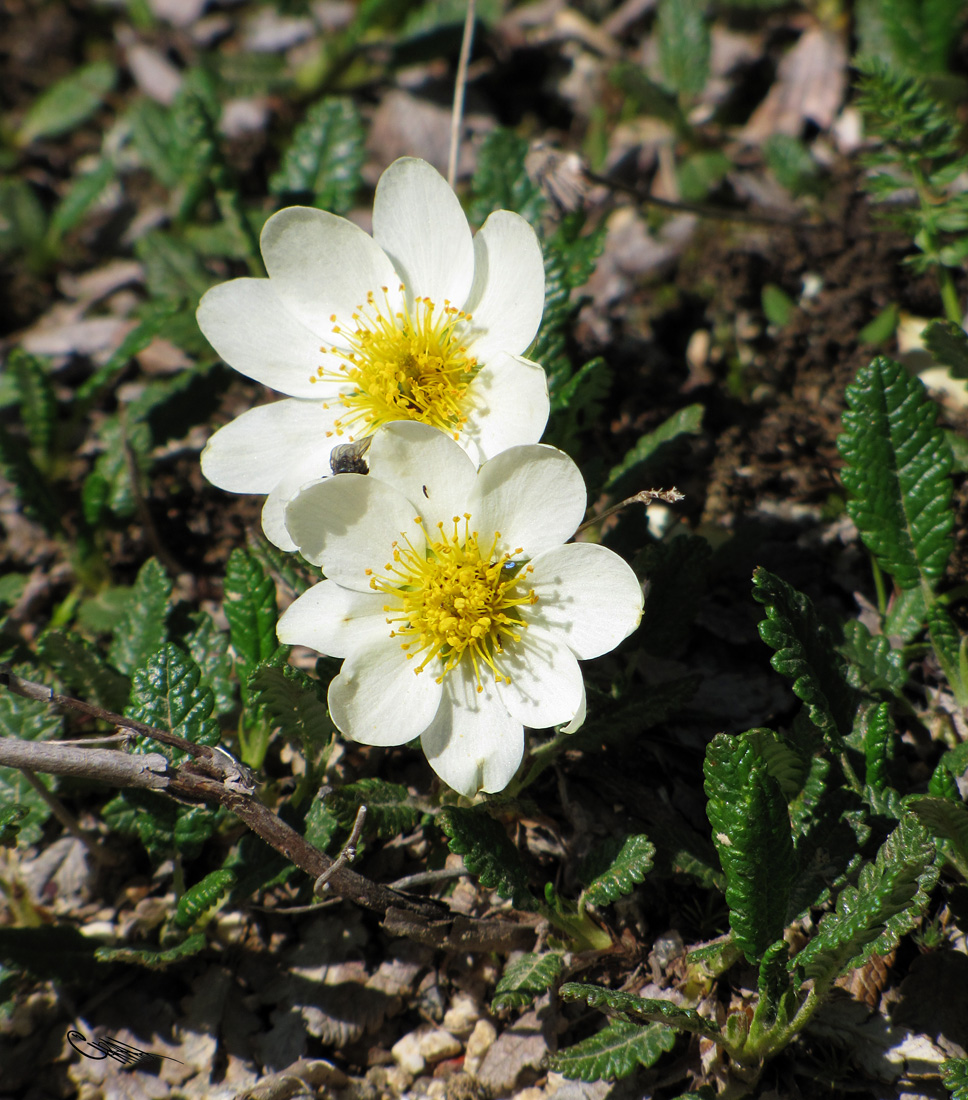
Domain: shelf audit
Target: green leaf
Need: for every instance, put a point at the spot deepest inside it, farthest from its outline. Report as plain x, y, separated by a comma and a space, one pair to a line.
208, 647
68, 103
945, 820
687, 421
805, 654
954, 1077
295, 703
889, 898
173, 269
873, 663
133, 344
196, 902
578, 402
167, 693
113, 485
83, 193
501, 181
923, 32
23, 221
142, 629
751, 831
878, 730
682, 40
29, 720
488, 854
677, 572
153, 960
898, 467
389, 812
250, 607
83, 669
33, 491
631, 860
882, 328
325, 157
614, 1052
11, 818
783, 762
700, 173
524, 978
790, 160
38, 406
948, 343
778, 306
948, 643
645, 97
641, 1010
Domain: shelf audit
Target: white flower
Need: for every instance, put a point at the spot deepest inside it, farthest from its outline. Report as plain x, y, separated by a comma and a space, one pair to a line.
459, 611
418, 322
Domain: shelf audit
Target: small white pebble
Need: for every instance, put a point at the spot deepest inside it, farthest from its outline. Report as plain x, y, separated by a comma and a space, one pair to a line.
462, 1015
479, 1043
406, 1053
438, 1044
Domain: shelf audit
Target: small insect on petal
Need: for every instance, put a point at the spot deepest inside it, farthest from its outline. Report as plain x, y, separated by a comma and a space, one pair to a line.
349, 458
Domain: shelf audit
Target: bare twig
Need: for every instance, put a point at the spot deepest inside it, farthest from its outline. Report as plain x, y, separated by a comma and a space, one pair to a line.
347, 853
646, 497
460, 82
119, 769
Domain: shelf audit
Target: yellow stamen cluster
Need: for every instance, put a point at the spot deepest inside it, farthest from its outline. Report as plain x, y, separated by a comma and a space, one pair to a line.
408, 364
453, 601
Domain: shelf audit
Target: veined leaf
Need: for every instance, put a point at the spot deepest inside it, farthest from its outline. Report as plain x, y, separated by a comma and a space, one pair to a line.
152, 960
293, 701
250, 607
954, 1077
501, 181
751, 831
84, 192
873, 663
615, 1052
167, 693
783, 762
38, 406
948, 343
29, 720
947, 821
325, 156
890, 895
84, 670
687, 421
142, 630
878, 730
68, 103
134, 343
898, 467
948, 643
197, 900
389, 812
631, 861
682, 39
804, 653
524, 979
488, 854
208, 647
640, 1009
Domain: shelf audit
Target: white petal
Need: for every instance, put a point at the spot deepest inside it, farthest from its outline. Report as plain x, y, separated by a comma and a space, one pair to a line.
587, 595
509, 406
507, 298
533, 495
333, 620
427, 466
257, 449
473, 744
378, 699
321, 264
299, 476
418, 221
546, 683
247, 324
579, 720
348, 525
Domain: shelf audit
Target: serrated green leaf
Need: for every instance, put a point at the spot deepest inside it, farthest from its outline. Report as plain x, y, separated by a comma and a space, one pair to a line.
501, 181
83, 669
325, 156
682, 40
677, 572
524, 978
152, 960
614, 1052
28, 720
250, 607
321, 825
889, 898
388, 809
167, 693
945, 820
898, 467
23, 221
805, 653
38, 406
142, 629
948, 343
790, 160
923, 32
751, 831
201, 897
68, 103
949, 644
11, 818
687, 421
877, 727
294, 702
954, 1077
208, 647
641, 1010
632, 861
114, 485
873, 663
173, 269
33, 491
488, 854
578, 402
782, 761
133, 344
83, 193
906, 614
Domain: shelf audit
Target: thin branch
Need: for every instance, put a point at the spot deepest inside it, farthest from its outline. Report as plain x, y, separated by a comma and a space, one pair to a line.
118, 769
460, 82
646, 497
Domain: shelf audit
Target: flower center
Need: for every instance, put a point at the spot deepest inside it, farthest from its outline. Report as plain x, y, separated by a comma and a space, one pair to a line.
453, 601
408, 364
